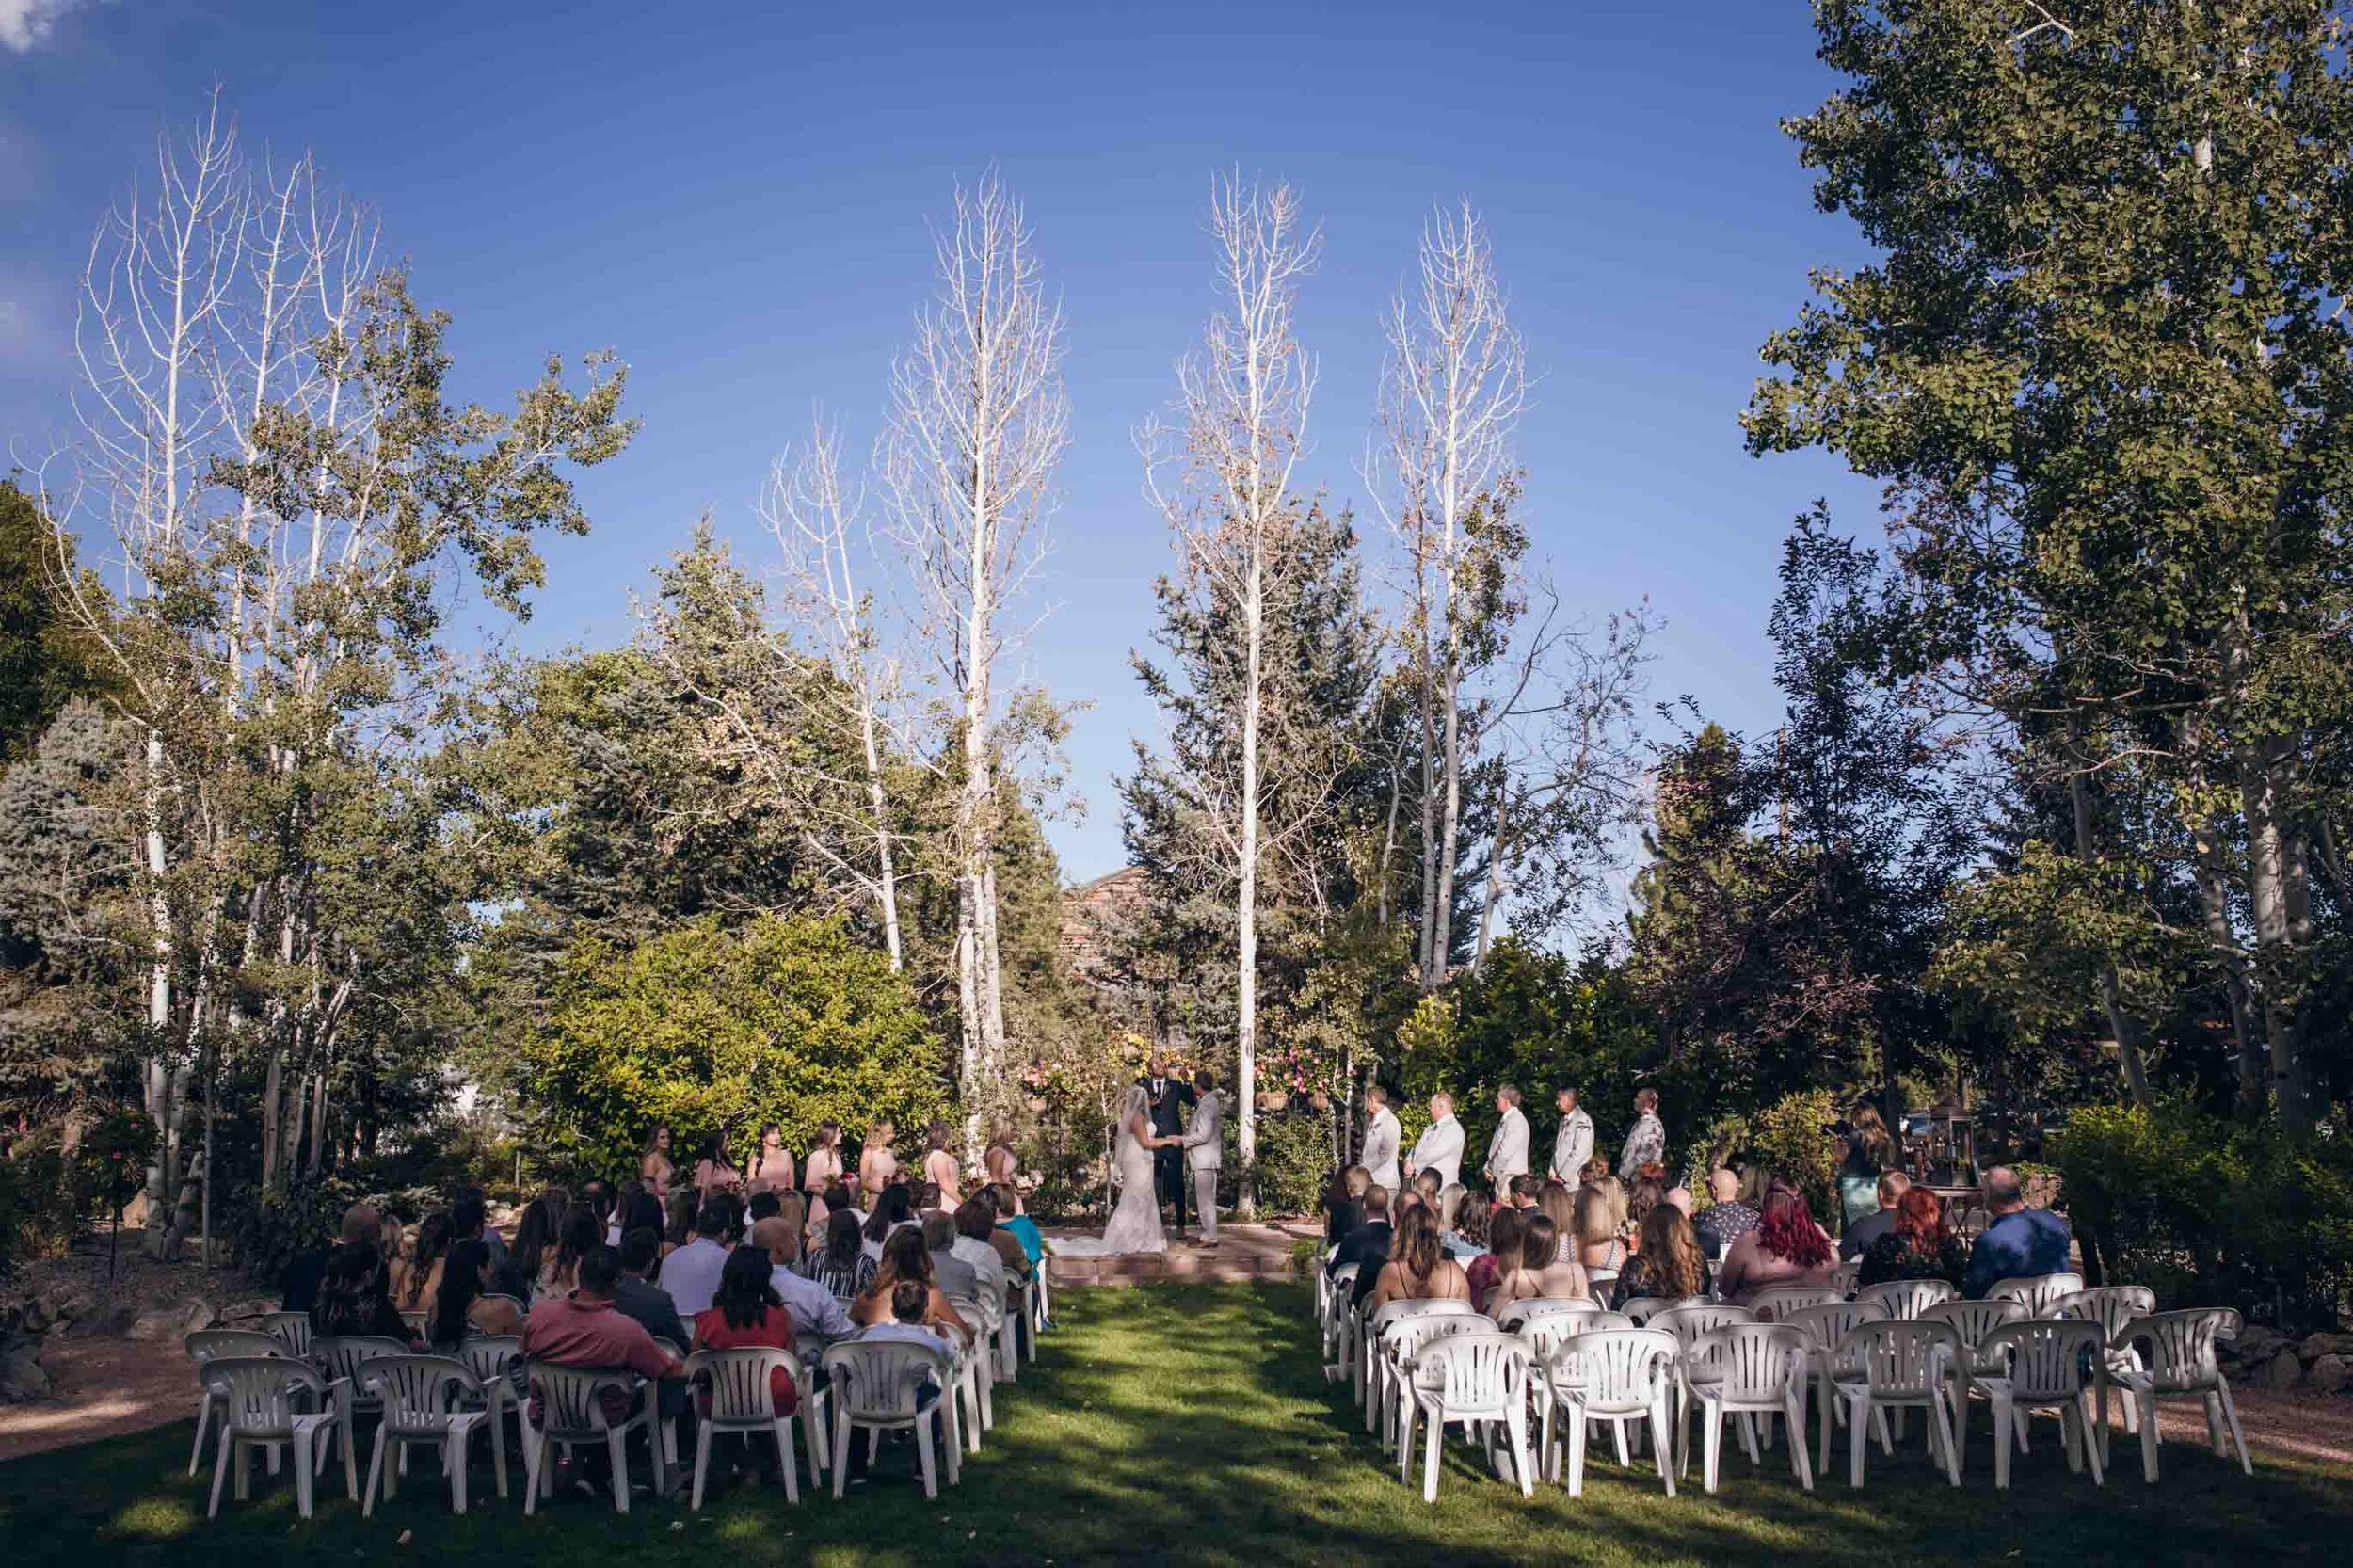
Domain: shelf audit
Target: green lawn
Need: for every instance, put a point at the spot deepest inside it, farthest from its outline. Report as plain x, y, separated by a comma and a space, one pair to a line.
1190, 1424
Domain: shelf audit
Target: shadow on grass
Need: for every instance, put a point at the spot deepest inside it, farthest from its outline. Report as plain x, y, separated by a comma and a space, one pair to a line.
1192, 1424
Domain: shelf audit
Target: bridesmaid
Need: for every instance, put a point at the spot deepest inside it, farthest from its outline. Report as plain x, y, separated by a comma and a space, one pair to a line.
655, 1169
939, 1166
824, 1164
772, 1162
877, 1167
715, 1172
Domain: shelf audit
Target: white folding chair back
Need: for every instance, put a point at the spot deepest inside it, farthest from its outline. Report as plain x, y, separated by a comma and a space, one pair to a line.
2036, 1364
877, 1384
742, 1400
1972, 1321
1751, 1370
1896, 1364
1476, 1376
268, 1399
1688, 1322
1514, 1314
293, 1328
1640, 1311
211, 1345
572, 1411
1905, 1298
1616, 1375
1370, 1389
2177, 1350
2038, 1294
425, 1400
1776, 1301
2111, 1307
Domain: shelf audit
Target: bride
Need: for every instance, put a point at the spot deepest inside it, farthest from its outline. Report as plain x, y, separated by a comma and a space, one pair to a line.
1135, 1225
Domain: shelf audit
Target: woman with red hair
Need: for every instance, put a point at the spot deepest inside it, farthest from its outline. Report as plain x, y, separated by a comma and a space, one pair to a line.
1786, 1248
1917, 1246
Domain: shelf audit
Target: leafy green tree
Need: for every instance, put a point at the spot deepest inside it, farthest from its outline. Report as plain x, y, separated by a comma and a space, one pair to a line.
704, 1026
44, 661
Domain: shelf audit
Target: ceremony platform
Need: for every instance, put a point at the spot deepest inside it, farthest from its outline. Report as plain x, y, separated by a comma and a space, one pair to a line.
1244, 1252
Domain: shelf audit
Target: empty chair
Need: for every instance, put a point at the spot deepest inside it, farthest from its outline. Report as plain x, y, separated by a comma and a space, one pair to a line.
423, 1398
1616, 1375
492, 1359
1904, 1298
1748, 1369
291, 1328
1474, 1379
975, 1379
1896, 1364
211, 1345
1401, 1342
343, 1361
1338, 1322
1971, 1323
268, 1399
2177, 1356
2032, 1365
1776, 1301
2038, 1294
1640, 1311
572, 1411
1825, 1329
878, 1384
2112, 1306
1514, 1314
741, 1401
1370, 1387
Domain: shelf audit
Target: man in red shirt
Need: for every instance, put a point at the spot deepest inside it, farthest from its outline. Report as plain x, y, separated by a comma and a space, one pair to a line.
584, 1330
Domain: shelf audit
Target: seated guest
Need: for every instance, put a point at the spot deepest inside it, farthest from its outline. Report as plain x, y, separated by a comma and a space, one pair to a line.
1466, 1220
1344, 1202
351, 1298
1418, 1269
1367, 1246
679, 1229
1527, 1190
617, 1223
907, 1323
2020, 1243
792, 1209
746, 1313
1859, 1235
842, 1265
892, 1208
1559, 1205
469, 1220
927, 1200
1668, 1264
1428, 1186
1598, 1243
691, 1274
642, 1210
817, 1316
1003, 1208
1503, 1251
583, 1232
1918, 1246
1786, 1248
1681, 1198
975, 1221
1012, 1219
361, 1225
1642, 1195
464, 1305
584, 1330
905, 1259
416, 1279
762, 1205
1726, 1218
1539, 1269
535, 1243
597, 1197
951, 1273
635, 1295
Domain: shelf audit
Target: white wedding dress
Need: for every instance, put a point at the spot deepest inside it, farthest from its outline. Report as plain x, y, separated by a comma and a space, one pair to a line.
1135, 1225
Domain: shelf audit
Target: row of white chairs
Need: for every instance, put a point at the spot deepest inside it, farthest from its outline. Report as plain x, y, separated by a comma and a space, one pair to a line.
277, 1389
1907, 1345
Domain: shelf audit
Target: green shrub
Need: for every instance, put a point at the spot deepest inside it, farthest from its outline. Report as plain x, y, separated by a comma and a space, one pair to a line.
1787, 1136
1294, 1162
271, 1228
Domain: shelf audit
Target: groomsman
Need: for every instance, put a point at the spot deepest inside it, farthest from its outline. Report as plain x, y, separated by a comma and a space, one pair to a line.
1573, 1144
1440, 1146
1646, 1144
1382, 1134
1507, 1151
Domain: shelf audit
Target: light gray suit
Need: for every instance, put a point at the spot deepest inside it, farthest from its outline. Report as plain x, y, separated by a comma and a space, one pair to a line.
1204, 1152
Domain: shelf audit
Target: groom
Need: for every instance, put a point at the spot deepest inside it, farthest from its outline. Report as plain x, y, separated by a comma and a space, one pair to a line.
1166, 1098
1204, 1152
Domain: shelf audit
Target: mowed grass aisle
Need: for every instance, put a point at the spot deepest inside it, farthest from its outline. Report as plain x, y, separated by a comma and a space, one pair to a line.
1189, 1424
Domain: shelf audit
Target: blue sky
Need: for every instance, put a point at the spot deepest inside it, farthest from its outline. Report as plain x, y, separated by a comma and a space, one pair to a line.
735, 199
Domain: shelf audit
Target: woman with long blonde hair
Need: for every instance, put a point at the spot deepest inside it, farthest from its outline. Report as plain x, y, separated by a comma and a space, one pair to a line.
876, 1165
1559, 1205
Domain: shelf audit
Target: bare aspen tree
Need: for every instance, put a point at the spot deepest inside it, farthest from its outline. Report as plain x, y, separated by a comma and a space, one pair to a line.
1452, 392
804, 509
1243, 398
976, 422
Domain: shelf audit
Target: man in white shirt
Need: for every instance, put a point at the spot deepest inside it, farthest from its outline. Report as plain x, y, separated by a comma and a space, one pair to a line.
975, 1218
1647, 1143
1440, 1146
818, 1319
1382, 1134
1574, 1143
1507, 1151
691, 1274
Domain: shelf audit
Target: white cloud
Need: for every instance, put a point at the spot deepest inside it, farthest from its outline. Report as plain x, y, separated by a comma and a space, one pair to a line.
24, 24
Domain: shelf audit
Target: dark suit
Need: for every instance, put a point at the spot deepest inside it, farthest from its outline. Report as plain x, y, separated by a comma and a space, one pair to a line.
1166, 1102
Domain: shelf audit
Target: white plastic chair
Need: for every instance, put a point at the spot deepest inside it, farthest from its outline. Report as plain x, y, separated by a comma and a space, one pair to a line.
1512, 1315
1370, 1386
207, 1345
2038, 1365
1616, 1375
1545, 1331
343, 1361
2038, 1294
1907, 1298
1687, 1324
1474, 1379
420, 1396
740, 1401
875, 1383
2177, 1350
492, 1358
1750, 1369
291, 1328
1776, 1301
2112, 1306
1640, 1311
1826, 1328
572, 1411
1895, 1364
975, 1378
1339, 1321
1972, 1322
1401, 1342
269, 1399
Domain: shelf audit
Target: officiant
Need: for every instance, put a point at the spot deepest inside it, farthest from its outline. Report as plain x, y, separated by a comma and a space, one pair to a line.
1168, 1098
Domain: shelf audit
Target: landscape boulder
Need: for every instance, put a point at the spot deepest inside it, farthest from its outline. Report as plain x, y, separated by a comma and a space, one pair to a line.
2329, 1374
2281, 1372
22, 1375
170, 1323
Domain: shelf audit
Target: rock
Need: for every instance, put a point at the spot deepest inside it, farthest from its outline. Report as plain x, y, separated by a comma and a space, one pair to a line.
2331, 1344
2330, 1373
246, 1314
68, 1304
101, 1322
172, 1322
2282, 1372
22, 1375
2255, 1341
